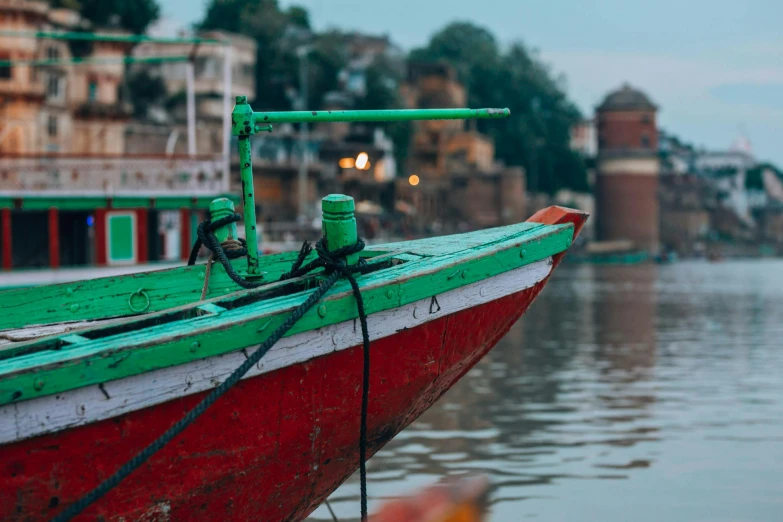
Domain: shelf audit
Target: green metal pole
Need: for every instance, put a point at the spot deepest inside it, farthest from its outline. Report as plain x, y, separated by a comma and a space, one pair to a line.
339, 224
261, 118
97, 60
241, 121
104, 37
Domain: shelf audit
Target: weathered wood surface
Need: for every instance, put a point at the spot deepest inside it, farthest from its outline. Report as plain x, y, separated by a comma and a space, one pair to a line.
116, 295
39, 338
110, 399
11, 338
113, 296
273, 448
117, 356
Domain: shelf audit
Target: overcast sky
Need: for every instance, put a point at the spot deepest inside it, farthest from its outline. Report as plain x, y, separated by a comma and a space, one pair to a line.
715, 67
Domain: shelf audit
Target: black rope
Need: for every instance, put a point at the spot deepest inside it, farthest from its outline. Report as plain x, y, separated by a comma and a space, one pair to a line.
206, 237
334, 264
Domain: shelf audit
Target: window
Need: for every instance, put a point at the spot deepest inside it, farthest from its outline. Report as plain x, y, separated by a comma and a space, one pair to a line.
205, 67
52, 53
92, 91
5, 73
645, 141
53, 86
51, 125
646, 119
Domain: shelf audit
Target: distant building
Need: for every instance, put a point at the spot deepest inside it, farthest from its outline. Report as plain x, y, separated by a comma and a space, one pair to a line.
457, 178
57, 109
70, 192
164, 130
628, 169
362, 52
331, 168
724, 196
584, 138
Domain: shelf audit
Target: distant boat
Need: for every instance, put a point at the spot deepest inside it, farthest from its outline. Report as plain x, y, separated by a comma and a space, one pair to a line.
91, 372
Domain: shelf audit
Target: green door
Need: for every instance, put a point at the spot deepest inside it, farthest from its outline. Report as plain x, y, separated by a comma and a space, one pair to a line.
121, 243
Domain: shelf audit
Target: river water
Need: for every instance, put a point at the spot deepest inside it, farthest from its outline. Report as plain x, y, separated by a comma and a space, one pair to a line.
626, 393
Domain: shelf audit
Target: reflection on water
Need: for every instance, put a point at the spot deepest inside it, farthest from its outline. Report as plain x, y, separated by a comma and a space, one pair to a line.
642, 393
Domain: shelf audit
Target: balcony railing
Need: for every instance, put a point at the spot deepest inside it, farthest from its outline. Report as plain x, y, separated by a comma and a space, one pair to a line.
108, 175
14, 88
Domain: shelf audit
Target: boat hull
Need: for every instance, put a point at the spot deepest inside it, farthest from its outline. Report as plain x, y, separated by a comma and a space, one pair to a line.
280, 441
273, 448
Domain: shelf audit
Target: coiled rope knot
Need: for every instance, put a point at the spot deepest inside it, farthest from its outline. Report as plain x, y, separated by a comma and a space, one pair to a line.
231, 248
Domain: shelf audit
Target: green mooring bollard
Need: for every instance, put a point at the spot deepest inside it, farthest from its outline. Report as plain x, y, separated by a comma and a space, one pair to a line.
339, 224
220, 208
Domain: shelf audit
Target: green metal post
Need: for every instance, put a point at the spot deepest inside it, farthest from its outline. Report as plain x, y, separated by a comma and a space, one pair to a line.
241, 120
220, 208
339, 224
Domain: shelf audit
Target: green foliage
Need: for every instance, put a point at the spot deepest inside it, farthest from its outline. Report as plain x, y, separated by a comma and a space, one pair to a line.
276, 60
382, 81
145, 91
754, 178
67, 4
327, 58
278, 34
537, 134
81, 48
176, 99
132, 15
298, 16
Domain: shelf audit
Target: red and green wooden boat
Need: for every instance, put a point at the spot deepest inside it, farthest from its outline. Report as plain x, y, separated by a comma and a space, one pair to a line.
92, 372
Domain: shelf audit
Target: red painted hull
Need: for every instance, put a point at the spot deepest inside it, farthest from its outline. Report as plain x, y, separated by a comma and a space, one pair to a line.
272, 448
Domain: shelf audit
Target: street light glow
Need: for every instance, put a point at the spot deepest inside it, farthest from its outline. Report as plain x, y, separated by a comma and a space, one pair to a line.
362, 161
347, 163
413, 180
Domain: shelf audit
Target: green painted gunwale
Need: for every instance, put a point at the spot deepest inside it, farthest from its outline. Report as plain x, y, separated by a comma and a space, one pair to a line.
108, 296
434, 266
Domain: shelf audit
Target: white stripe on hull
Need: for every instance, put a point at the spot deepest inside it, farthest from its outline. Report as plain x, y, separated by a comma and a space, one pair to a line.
93, 403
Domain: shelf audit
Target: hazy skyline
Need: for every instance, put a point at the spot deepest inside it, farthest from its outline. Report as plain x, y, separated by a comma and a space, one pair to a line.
715, 67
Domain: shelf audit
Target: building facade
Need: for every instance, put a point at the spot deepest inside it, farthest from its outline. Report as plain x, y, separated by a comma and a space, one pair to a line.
70, 192
628, 169
452, 175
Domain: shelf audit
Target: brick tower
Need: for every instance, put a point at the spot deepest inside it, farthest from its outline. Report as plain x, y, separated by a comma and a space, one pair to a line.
628, 169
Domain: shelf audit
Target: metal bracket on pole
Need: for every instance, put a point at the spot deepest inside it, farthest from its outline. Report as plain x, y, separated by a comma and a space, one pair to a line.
245, 123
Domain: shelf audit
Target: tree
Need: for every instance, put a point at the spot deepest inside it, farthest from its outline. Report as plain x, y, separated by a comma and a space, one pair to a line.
298, 16
276, 62
382, 92
327, 58
145, 91
132, 15
537, 134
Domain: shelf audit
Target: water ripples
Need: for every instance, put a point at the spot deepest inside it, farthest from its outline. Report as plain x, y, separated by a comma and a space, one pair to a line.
625, 393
